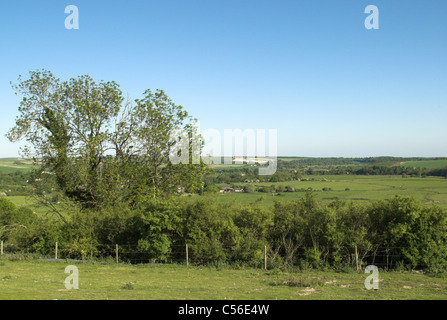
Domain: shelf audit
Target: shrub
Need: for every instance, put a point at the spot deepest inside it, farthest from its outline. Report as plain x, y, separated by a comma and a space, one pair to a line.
398, 232
211, 188
249, 188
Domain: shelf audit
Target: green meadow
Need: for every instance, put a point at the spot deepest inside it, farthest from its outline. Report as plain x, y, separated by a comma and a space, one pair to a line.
359, 188
428, 190
35, 280
429, 164
30, 202
10, 165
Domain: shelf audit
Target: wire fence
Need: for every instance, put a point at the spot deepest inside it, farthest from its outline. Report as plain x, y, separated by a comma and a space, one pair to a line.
266, 257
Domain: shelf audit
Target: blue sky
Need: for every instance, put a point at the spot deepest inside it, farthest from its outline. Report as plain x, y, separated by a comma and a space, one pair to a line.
309, 69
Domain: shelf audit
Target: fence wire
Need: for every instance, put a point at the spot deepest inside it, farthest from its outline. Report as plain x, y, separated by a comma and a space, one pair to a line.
264, 256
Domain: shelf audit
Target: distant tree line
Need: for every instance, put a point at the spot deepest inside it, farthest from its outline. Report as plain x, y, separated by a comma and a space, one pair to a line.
295, 163
386, 170
249, 174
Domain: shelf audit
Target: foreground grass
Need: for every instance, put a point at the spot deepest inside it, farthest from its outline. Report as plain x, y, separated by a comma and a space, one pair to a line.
31, 280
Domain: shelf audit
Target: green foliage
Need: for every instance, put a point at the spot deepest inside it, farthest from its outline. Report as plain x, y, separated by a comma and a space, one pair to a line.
206, 231
7, 211
395, 233
13, 219
418, 233
81, 248
249, 188
100, 150
159, 224
211, 188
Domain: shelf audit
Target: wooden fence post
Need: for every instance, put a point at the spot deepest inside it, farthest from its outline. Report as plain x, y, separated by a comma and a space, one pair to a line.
55, 251
187, 258
265, 258
356, 258
116, 254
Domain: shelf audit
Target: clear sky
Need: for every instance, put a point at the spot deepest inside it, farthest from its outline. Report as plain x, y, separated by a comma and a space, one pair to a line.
309, 69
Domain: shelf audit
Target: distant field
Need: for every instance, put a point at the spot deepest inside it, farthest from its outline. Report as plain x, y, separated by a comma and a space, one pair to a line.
429, 190
33, 204
429, 164
290, 158
9, 165
330, 162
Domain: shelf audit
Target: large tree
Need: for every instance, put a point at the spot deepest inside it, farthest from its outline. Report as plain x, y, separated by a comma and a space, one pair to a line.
101, 148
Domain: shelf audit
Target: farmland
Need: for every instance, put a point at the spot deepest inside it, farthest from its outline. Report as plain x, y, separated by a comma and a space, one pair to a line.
426, 164
10, 165
429, 190
359, 180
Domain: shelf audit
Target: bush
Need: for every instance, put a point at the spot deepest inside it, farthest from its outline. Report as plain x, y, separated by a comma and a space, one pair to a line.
81, 248
13, 219
7, 211
249, 188
211, 188
208, 230
398, 232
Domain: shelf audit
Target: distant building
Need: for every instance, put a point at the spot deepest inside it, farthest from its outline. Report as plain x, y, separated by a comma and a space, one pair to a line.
226, 189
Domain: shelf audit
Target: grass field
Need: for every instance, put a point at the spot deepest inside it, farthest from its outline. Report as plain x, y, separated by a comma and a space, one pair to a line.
358, 188
429, 164
429, 190
32, 280
26, 201
9, 165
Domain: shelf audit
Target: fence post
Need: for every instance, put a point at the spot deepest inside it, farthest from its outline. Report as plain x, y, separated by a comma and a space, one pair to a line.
1, 249
265, 258
356, 258
116, 254
187, 258
55, 251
